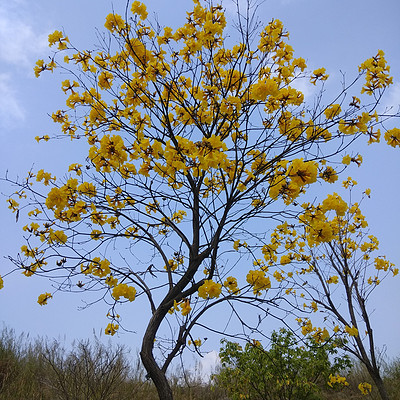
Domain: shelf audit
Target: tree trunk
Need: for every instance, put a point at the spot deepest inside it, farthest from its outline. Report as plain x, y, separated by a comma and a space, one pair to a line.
381, 387
156, 374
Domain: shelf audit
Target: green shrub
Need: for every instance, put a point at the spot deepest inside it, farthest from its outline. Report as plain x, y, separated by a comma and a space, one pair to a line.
287, 370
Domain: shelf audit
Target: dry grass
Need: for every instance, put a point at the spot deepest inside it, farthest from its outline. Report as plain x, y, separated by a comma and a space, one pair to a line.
37, 370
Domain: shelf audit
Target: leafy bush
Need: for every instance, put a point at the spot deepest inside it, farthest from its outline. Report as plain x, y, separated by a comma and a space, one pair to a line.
287, 370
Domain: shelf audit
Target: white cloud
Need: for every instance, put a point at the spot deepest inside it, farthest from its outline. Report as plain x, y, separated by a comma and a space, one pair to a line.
10, 108
20, 45
392, 98
208, 364
231, 6
304, 86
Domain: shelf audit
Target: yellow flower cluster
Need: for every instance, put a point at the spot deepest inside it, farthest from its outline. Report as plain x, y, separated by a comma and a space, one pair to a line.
237, 244
186, 307
258, 281
183, 306
263, 89
174, 263
353, 331
13, 205
392, 137
365, 388
307, 327
196, 342
57, 198
291, 178
329, 175
38, 262
319, 74
231, 284
123, 290
110, 155
209, 289
377, 73
42, 66
333, 279
58, 37
319, 335
354, 125
139, 9
337, 379
110, 281
56, 237
114, 23
69, 202
42, 299
45, 177
332, 111
111, 329
98, 267
336, 203
382, 264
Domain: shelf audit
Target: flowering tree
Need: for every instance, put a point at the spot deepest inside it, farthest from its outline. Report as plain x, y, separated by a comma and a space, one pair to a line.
192, 145
331, 264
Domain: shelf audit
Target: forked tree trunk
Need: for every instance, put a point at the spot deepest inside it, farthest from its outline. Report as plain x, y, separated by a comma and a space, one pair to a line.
156, 374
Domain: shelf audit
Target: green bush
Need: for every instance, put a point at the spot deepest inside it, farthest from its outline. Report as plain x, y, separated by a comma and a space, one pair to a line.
287, 370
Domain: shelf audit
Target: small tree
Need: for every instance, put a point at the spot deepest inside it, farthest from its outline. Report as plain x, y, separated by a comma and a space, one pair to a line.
193, 145
333, 266
287, 370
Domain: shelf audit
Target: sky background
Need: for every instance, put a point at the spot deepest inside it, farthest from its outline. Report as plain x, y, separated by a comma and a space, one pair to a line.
337, 35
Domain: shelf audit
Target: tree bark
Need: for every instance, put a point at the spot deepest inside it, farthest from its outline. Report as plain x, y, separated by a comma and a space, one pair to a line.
380, 385
156, 374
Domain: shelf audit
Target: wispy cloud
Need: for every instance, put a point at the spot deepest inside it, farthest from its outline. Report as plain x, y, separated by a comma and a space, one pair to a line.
392, 100
10, 108
233, 6
19, 42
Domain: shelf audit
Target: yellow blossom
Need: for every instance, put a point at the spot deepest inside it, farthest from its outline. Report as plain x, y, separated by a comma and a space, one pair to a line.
346, 160
332, 111
111, 329
319, 74
231, 284
185, 307
42, 299
123, 290
209, 289
341, 380
333, 279
139, 9
258, 281
353, 331
365, 388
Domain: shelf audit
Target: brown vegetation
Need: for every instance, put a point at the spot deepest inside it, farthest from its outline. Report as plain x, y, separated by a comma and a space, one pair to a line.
90, 370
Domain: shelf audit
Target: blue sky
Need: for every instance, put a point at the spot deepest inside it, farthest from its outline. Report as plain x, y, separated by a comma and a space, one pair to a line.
337, 35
